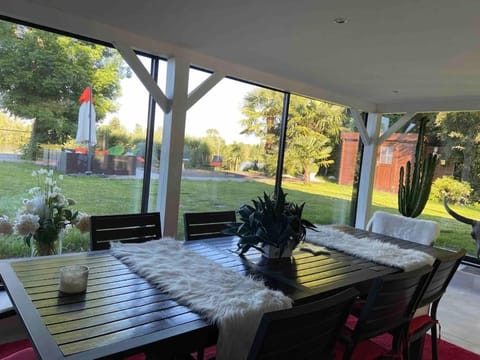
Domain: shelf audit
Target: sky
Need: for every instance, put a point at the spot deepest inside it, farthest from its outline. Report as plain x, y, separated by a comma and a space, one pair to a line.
219, 109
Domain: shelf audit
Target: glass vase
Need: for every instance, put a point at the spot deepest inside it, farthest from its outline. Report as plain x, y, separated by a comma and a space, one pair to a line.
44, 242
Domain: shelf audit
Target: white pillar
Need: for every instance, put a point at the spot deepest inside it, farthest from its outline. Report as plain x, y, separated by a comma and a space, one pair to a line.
171, 158
367, 171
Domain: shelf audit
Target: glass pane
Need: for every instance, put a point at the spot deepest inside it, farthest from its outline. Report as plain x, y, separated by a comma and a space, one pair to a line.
231, 146
320, 160
452, 137
43, 90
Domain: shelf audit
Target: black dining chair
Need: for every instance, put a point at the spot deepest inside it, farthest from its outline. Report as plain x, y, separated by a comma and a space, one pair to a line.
124, 228
443, 271
203, 225
304, 332
388, 308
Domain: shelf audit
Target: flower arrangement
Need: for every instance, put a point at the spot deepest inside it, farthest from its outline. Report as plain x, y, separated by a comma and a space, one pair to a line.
45, 215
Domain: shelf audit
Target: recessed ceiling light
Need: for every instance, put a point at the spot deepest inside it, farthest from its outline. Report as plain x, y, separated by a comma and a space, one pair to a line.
340, 20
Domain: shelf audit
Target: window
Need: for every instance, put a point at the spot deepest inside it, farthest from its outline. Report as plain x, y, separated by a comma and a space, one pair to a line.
386, 155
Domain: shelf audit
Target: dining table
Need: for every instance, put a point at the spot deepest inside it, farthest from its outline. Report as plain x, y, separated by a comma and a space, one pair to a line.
121, 313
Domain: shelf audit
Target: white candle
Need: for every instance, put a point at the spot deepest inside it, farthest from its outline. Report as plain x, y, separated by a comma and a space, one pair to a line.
73, 279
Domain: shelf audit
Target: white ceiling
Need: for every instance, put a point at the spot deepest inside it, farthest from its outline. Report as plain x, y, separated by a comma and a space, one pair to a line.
390, 55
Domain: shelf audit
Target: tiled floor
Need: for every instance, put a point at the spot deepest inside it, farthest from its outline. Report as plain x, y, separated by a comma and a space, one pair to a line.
459, 309
458, 312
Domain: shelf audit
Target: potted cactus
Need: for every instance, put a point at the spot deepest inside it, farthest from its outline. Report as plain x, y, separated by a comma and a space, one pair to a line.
414, 188
272, 225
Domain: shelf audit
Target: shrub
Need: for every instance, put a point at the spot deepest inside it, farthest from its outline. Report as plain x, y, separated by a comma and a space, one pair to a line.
457, 192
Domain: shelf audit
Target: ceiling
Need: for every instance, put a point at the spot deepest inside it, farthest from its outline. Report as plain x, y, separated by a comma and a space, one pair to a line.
388, 56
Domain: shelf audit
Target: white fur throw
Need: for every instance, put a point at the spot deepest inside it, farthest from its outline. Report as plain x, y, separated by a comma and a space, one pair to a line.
233, 301
420, 231
370, 249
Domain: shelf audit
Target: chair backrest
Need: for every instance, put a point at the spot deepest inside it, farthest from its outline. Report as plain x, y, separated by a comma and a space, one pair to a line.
203, 225
420, 231
442, 273
124, 228
391, 302
307, 331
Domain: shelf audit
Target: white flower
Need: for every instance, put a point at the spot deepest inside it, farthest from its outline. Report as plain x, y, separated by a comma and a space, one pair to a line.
5, 226
46, 209
83, 223
34, 190
36, 206
27, 224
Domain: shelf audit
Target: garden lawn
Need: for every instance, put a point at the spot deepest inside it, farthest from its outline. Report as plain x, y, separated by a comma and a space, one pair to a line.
326, 202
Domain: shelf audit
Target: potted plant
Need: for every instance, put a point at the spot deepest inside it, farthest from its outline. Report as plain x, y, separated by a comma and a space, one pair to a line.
272, 225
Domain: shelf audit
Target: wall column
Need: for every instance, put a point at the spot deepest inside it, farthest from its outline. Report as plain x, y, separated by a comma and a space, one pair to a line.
172, 145
367, 171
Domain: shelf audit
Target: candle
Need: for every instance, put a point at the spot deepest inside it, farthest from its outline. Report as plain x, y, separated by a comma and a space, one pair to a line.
73, 279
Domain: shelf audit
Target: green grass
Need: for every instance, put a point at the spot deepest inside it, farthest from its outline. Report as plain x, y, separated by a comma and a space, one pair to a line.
326, 203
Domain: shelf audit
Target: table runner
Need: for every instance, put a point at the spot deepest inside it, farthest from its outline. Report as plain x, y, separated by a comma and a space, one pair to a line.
234, 302
369, 248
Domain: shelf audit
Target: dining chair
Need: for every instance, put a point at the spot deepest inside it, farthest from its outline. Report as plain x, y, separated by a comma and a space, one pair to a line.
123, 227
307, 331
420, 231
388, 308
203, 225
443, 271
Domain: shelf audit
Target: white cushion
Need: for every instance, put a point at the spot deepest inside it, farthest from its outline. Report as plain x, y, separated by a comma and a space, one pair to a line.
420, 231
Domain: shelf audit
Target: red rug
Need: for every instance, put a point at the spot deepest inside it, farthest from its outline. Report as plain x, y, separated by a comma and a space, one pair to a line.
446, 350
370, 350
364, 351
9, 349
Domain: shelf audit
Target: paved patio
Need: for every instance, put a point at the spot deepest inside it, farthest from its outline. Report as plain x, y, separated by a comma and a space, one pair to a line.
459, 309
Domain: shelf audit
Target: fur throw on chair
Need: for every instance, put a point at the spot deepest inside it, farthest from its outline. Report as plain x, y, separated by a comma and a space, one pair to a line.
420, 231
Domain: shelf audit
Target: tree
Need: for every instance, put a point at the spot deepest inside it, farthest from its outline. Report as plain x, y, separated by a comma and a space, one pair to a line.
461, 132
197, 152
262, 109
13, 133
214, 141
232, 156
42, 75
313, 127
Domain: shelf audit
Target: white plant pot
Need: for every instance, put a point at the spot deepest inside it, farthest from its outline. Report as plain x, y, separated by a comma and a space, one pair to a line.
273, 252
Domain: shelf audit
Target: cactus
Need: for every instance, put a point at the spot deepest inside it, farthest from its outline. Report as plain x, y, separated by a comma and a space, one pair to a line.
414, 188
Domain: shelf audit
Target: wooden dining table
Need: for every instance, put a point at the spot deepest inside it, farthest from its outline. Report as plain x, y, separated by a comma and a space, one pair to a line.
121, 313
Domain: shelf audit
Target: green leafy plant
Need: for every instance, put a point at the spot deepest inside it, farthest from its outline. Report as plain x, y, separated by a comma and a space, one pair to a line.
270, 221
457, 192
414, 188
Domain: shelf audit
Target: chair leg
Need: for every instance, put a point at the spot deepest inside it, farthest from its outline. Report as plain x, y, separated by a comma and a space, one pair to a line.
347, 354
434, 342
415, 349
200, 354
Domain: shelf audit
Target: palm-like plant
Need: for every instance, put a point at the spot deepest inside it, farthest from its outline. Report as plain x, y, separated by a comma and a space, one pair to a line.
270, 221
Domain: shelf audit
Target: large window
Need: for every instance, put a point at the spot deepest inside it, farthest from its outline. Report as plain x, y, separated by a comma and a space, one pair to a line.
231, 146
43, 85
452, 137
320, 159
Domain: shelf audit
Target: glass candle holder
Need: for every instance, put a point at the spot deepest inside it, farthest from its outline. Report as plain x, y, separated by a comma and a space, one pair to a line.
73, 279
